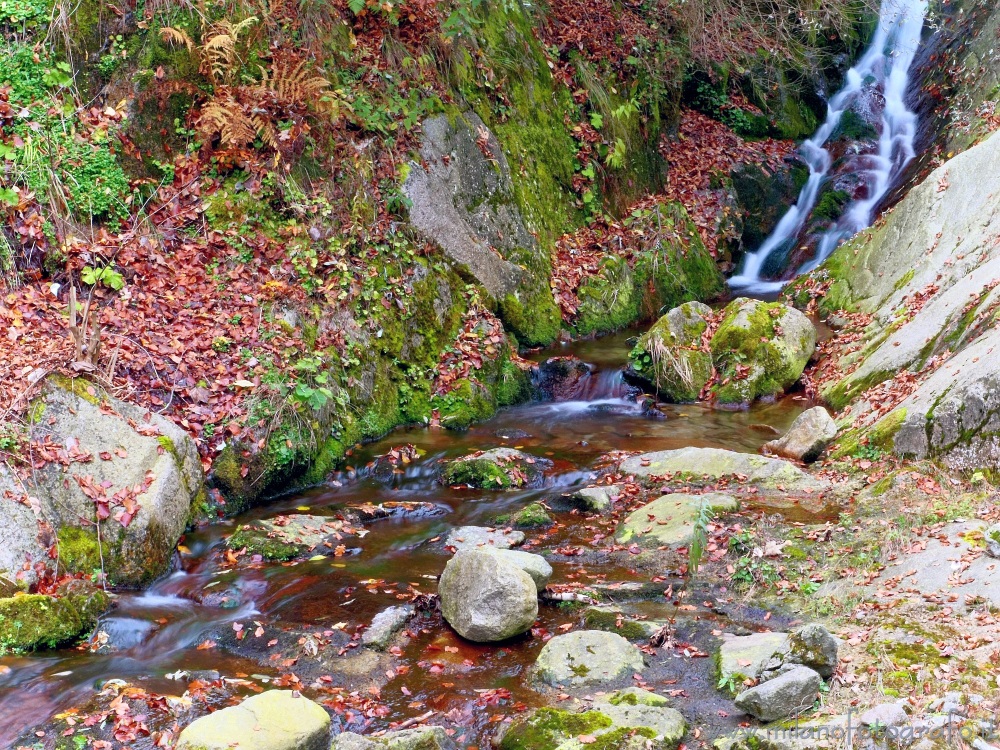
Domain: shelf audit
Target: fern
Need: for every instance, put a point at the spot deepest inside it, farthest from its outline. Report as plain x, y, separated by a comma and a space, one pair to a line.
356, 6
699, 536
177, 37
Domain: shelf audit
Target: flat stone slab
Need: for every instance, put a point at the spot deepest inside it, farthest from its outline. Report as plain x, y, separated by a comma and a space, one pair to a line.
294, 535
586, 658
669, 520
474, 537
711, 464
272, 720
747, 656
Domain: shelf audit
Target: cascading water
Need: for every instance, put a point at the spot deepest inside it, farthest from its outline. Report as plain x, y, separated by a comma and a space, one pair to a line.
887, 61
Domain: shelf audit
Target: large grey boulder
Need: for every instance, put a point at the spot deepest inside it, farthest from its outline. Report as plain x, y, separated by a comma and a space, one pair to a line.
760, 350
763, 656
587, 657
486, 598
106, 461
670, 355
272, 720
789, 694
463, 200
482, 537
418, 738
536, 566
807, 438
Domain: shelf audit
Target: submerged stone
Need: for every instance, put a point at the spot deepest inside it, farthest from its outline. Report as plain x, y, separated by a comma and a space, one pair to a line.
587, 657
670, 519
272, 720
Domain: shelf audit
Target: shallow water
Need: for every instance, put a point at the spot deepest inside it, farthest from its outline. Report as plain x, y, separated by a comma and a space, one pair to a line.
151, 635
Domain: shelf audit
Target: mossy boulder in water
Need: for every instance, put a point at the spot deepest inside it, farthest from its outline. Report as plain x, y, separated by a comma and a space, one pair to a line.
30, 622
760, 349
670, 357
272, 720
497, 469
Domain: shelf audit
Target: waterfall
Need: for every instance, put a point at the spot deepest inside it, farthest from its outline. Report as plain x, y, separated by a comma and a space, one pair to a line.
887, 60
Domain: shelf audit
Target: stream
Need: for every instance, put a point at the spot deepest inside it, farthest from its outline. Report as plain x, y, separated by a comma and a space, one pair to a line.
149, 637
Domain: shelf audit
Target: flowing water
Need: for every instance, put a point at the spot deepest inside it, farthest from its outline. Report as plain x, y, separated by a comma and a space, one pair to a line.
884, 68
152, 639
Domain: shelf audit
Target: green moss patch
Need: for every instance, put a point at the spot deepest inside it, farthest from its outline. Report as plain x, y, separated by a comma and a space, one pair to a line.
35, 621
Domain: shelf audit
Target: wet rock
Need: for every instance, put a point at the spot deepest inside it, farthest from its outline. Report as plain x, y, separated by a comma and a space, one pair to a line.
486, 598
534, 565
475, 537
669, 355
419, 738
561, 378
708, 465
385, 625
587, 657
38, 621
670, 519
143, 468
807, 438
496, 469
286, 537
597, 499
272, 720
369, 512
746, 657
789, 694
885, 715
617, 723
760, 349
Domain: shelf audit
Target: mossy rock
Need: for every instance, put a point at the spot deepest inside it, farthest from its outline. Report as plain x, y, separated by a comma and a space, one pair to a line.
760, 349
529, 517
669, 355
34, 621
497, 469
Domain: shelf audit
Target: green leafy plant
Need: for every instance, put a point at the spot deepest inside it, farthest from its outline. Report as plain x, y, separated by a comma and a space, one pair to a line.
699, 536
106, 276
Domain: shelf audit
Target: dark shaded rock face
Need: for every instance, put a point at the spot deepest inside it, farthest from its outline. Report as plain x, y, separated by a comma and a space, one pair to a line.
763, 198
561, 378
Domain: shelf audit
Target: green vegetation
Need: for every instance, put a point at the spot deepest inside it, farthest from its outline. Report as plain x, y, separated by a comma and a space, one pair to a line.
35, 621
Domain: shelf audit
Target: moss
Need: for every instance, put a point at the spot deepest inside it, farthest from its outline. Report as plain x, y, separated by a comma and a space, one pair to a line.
547, 728
79, 387
853, 127
257, 542
608, 301
477, 472
531, 516
513, 385
608, 619
36, 621
831, 205
532, 317
79, 551
624, 738
882, 434
465, 403
637, 697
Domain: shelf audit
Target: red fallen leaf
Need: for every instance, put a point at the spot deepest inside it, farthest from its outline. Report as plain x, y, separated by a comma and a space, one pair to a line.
205, 645
586, 739
105, 456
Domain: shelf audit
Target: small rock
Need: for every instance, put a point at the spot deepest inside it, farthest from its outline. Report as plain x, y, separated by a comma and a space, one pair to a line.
596, 499
747, 656
587, 657
474, 537
385, 625
792, 693
884, 715
561, 378
531, 516
486, 598
534, 565
419, 738
807, 438
272, 720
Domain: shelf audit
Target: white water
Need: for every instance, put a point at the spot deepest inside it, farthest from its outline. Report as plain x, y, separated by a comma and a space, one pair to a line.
887, 60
